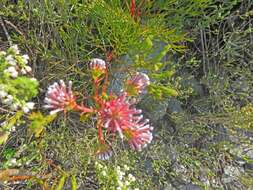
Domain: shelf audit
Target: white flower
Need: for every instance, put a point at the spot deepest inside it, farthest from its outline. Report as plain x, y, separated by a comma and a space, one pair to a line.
33, 79
3, 123
131, 177
126, 167
13, 129
30, 105
14, 74
2, 53
8, 100
127, 183
11, 69
13, 161
28, 69
118, 188
3, 94
120, 175
25, 58
103, 173
14, 106
15, 49
11, 60
23, 71
25, 109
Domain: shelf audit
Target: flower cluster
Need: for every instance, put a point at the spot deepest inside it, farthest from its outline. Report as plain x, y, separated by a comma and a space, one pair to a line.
119, 115
118, 178
59, 97
13, 71
116, 114
17, 64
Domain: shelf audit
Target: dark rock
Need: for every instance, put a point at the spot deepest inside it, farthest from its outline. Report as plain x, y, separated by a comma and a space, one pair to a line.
174, 106
154, 109
248, 166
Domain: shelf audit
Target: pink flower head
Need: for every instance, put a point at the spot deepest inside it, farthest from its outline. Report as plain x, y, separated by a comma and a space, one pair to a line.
118, 115
137, 83
59, 97
139, 138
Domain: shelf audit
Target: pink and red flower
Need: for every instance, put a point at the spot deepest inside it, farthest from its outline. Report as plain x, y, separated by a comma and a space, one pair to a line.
118, 115
139, 138
59, 97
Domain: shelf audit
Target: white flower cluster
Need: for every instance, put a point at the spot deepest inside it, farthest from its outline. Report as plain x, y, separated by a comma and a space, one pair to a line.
8, 100
125, 180
16, 64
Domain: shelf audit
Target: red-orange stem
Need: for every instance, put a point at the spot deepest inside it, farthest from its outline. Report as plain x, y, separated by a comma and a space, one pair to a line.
132, 7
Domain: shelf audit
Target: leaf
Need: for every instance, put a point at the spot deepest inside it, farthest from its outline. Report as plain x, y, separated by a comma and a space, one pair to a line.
61, 183
4, 130
73, 181
38, 122
3, 137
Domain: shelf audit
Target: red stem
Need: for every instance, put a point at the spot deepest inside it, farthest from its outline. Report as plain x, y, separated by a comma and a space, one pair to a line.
100, 133
132, 7
105, 82
83, 109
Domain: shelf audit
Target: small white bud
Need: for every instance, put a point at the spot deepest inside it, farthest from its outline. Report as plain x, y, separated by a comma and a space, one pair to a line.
14, 74
33, 79
30, 105
2, 53
11, 69
25, 109
8, 100
28, 69
103, 173
3, 94
14, 107
23, 71
13, 161
25, 58
15, 49
11, 60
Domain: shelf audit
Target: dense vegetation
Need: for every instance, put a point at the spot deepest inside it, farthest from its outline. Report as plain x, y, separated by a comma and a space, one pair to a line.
198, 56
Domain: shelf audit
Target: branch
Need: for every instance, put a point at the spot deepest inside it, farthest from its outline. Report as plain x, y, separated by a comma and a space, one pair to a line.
5, 31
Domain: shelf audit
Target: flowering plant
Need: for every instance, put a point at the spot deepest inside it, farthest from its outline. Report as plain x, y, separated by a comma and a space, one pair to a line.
115, 113
17, 87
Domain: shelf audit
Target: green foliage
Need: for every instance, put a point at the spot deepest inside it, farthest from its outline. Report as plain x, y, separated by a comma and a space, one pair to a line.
7, 125
116, 177
23, 88
39, 122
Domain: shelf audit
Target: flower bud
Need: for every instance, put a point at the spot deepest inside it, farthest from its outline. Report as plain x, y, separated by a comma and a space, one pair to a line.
98, 67
137, 84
